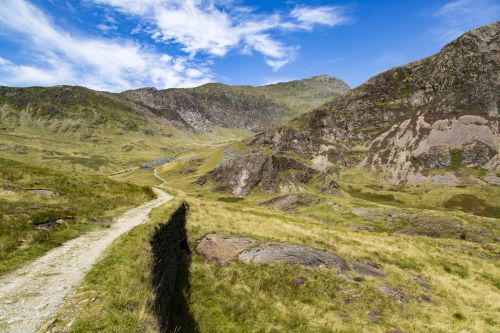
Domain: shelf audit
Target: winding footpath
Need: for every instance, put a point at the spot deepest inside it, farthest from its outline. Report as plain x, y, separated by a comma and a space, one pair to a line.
29, 295
158, 177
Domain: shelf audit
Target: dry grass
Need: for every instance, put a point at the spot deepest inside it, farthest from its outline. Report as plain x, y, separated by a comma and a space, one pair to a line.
445, 285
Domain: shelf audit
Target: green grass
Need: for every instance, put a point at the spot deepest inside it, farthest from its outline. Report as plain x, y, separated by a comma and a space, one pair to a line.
472, 204
458, 278
80, 130
116, 295
83, 202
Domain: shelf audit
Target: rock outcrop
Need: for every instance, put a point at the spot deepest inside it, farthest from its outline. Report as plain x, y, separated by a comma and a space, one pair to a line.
214, 105
273, 253
439, 112
245, 107
221, 250
290, 202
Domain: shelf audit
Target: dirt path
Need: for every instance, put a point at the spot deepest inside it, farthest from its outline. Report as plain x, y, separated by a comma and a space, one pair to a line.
158, 177
29, 295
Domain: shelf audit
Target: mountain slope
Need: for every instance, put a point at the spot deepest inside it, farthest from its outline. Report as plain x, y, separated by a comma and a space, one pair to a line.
440, 112
251, 108
79, 129
304, 95
198, 109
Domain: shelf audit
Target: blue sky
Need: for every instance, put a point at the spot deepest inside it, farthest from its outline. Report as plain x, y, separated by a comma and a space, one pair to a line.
121, 44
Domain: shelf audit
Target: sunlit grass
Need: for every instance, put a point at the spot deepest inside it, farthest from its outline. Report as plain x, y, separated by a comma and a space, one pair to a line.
83, 202
457, 295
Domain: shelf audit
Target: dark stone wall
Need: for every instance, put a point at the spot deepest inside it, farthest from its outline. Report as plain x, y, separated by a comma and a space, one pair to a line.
170, 273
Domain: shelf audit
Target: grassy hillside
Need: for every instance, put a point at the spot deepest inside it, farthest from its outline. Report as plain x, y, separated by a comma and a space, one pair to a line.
298, 96
451, 290
41, 208
81, 130
304, 95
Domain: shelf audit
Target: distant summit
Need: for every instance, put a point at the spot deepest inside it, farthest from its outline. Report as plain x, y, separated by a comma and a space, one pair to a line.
246, 107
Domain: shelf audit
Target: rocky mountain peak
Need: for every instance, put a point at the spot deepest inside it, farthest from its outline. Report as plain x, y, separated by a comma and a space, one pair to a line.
438, 112
245, 107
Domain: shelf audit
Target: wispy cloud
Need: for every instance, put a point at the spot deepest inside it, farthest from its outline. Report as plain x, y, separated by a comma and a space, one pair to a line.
459, 16
193, 29
308, 17
59, 57
216, 27
109, 24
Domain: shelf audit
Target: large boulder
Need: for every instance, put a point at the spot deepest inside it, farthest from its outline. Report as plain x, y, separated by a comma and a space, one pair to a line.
221, 250
291, 201
272, 253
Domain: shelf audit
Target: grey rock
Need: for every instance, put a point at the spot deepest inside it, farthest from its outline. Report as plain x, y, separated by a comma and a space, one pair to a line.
446, 179
272, 253
374, 316
476, 153
399, 296
156, 162
291, 201
492, 179
221, 250
44, 192
368, 269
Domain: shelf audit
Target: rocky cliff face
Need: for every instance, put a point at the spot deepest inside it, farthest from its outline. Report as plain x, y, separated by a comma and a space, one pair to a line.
196, 109
439, 112
251, 108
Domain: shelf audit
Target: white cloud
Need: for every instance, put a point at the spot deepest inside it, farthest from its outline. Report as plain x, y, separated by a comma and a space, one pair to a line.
209, 27
308, 17
459, 16
62, 58
215, 27
109, 24
4, 62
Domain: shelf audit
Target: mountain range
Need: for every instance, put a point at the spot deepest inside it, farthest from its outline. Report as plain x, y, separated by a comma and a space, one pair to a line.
301, 206
438, 113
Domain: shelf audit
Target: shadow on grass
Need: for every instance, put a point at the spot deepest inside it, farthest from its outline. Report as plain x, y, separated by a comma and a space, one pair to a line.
170, 271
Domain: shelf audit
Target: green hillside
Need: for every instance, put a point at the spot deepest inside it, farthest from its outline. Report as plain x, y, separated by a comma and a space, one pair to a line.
33, 199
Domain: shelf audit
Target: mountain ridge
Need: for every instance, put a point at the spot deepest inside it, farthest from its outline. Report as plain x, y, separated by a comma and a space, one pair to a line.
255, 108
195, 109
397, 122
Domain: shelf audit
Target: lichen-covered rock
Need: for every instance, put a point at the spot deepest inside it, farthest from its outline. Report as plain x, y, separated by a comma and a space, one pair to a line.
243, 174
368, 268
291, 201
476, 153
222, 250
44, 192
253, 169
326, 184
437, 157
272, 253
493, 179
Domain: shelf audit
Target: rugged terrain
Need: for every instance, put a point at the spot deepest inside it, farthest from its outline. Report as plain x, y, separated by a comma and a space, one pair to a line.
411, 122
251, 108
377, 211
82, 130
